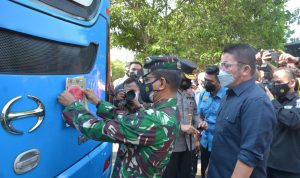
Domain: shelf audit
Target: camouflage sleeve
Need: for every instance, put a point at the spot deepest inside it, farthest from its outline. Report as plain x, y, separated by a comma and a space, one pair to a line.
78, 117
136, 129
106, 110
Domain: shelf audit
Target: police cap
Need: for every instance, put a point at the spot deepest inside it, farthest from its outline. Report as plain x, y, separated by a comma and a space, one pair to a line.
188, 68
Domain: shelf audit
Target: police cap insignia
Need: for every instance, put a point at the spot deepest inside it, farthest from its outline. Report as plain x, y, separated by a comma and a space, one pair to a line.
188, 68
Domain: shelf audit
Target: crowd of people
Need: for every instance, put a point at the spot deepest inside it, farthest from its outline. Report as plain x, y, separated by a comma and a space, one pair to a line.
241, 118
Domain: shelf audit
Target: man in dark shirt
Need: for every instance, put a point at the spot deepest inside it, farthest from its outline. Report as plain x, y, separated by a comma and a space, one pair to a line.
245, 119
284, 159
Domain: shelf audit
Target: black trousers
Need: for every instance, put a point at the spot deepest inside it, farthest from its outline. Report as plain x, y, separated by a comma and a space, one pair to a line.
205, 154
180, 165
273, 173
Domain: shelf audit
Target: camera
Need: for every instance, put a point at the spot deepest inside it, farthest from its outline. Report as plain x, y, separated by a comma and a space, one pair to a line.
130, 95
268, 84
268, 73
126, 103
274, 55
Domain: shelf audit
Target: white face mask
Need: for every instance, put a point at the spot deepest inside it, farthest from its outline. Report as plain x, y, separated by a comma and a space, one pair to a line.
226, 79
151, 96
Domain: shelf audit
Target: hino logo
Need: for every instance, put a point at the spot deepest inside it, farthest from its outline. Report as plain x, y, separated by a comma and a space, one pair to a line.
7, 117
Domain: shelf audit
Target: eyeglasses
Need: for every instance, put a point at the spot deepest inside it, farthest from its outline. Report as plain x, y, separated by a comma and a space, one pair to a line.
226, 65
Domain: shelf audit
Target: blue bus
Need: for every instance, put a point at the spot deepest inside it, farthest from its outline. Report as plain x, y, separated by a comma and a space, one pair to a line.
42, 43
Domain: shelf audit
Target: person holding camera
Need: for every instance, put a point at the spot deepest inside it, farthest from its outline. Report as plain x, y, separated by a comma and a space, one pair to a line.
284, 158
279, 58
128, 99
245, 119
149, 134
183, 162
134, 71
265, 58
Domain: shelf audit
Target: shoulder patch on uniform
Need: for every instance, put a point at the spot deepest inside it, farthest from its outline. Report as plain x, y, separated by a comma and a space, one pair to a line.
205, 98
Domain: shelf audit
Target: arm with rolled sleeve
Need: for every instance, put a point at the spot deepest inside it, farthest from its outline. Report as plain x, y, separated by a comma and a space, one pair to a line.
257, 120
288, 117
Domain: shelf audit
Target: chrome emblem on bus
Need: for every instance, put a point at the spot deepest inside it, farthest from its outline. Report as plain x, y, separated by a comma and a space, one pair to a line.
7, 117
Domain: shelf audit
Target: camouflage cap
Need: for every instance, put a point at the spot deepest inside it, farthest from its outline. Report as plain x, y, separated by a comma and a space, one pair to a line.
188, 68
153, 63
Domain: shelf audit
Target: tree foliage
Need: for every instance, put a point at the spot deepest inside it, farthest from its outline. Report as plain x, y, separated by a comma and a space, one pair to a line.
117, 67
197, 29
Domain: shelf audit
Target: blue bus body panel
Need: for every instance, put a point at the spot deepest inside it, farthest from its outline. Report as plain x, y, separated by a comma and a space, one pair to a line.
89, 165
58, 144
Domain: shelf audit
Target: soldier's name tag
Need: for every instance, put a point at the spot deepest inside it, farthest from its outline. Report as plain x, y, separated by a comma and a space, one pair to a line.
288, 107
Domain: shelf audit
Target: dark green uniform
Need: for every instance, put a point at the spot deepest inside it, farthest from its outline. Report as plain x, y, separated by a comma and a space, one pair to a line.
148, 135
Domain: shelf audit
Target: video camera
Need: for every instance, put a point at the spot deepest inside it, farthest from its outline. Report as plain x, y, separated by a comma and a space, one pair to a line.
126, 104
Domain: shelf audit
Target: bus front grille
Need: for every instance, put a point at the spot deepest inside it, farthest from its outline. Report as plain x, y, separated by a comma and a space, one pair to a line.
26, 54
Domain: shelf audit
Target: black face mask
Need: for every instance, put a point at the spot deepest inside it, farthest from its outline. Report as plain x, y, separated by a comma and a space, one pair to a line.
281, 90
185, 84
147, 92
209, 87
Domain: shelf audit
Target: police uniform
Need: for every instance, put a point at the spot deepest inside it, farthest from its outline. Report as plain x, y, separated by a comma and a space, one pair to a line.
182, 158
284, 159
148, 134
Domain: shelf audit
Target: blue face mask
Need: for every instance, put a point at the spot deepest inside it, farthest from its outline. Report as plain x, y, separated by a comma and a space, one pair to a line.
147, 92
226, 79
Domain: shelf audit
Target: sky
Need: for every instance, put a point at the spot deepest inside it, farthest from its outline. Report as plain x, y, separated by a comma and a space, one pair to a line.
126, 55
292, 5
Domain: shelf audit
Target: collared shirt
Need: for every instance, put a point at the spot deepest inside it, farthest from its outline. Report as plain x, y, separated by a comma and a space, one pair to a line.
186, 106
207, 108
285, 148
243, 132
148, 135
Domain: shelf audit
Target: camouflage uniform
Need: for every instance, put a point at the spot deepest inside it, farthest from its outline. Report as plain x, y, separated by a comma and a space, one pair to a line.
148, 135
